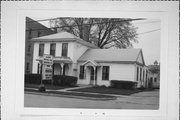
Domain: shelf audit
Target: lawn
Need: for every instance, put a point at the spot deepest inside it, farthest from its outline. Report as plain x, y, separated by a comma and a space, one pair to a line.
50, 87
107, 90
70, 94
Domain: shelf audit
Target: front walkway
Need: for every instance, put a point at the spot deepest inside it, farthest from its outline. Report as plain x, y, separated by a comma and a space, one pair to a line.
73, 88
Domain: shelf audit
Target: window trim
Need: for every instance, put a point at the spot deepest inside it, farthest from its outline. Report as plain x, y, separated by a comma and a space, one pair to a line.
66, 54
54, 51
137, 77
82, 75
106, 73
39, 49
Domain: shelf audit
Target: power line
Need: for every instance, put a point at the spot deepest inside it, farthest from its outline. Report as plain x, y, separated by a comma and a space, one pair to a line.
148, 31
69, 17
87, 24
147, 22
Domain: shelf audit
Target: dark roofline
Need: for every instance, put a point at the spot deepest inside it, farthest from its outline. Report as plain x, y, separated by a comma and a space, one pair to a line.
34, 21
140, 52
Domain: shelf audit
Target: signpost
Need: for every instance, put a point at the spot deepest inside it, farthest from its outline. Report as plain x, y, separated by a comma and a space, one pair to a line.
47, 67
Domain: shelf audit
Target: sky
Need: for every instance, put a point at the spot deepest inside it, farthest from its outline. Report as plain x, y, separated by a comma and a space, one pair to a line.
148, 38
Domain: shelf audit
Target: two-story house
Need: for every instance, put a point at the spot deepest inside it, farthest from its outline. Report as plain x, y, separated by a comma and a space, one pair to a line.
73, 56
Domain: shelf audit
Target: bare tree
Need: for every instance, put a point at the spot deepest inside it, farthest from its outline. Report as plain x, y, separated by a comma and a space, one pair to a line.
103, 32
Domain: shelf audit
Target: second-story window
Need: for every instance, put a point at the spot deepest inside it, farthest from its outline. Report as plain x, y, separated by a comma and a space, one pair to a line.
64, 49
52, 49
30, 33
41, 49
38, 34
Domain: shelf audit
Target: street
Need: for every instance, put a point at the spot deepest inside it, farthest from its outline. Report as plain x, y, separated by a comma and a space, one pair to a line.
142, 100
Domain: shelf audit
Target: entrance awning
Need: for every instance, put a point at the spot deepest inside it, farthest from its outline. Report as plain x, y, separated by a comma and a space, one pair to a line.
91, 63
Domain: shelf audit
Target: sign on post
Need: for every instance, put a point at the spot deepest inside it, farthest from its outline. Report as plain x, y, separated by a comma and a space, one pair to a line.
47, 67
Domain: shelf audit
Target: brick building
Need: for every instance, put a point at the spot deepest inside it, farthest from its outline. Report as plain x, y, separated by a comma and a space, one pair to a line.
33, 29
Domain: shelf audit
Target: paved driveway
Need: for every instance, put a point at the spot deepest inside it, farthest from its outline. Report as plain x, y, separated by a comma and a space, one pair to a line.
142, 100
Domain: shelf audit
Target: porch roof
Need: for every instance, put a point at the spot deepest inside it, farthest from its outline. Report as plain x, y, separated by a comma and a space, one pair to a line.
92, 62
58, 59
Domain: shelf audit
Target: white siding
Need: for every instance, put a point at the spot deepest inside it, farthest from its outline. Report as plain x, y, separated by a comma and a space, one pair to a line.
58, 49
140, 59
47, 48
78, 51
35, 56
124, 72
71, 50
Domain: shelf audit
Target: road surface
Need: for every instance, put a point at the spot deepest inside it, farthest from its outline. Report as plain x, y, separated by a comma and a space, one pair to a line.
142, 100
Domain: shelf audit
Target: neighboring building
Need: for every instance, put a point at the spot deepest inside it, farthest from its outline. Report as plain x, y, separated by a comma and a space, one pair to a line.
75, 57
153, 80
33, 29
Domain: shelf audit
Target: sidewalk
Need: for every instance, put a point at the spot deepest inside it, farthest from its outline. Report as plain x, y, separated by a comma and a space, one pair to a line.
72, 94
74, 88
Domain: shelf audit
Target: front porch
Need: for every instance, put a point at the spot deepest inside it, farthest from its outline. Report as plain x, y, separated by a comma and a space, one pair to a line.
60, 66
89, 71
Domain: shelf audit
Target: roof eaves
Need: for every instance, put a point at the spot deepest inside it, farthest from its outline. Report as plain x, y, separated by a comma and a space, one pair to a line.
54, 40
104, 61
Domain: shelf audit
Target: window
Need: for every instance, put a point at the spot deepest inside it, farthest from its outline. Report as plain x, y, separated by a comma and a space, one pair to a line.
137, 73
30, 33
38, 34
29, 48
27, 66
143, 76
105, 73
64, 49
52, 49
81, 75
41, 49
155, 79
38, 69
140, 74
146, 74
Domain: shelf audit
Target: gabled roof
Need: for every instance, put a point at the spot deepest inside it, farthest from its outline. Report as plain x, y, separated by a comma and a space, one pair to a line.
112, 55
63, 37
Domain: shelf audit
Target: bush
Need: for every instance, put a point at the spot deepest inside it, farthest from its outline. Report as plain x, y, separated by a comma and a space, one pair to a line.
64, 80
32, 78
141, 88
42, 88
123, 84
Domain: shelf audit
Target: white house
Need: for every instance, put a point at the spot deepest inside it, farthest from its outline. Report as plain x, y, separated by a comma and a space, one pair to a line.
75, 57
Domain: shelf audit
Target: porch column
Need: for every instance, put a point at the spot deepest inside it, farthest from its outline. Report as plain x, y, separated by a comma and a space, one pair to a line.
94, 75
62, 68
85, 68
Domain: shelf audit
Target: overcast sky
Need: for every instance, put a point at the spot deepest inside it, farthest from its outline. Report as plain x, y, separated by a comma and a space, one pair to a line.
148, 38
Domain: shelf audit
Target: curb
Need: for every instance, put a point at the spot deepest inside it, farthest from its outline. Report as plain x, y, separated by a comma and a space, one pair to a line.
68, 96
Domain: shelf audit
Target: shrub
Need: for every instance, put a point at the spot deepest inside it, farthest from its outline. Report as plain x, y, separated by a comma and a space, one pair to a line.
32, 78
42, 88
141, 88
123, 84
64, 80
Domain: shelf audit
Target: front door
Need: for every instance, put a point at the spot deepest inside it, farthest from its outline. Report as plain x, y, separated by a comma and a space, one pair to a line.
91, 75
